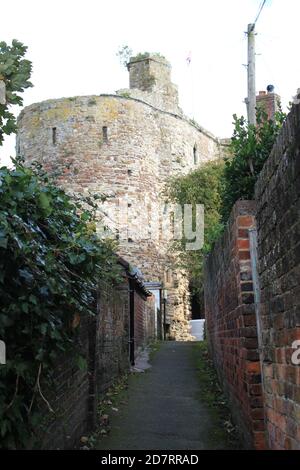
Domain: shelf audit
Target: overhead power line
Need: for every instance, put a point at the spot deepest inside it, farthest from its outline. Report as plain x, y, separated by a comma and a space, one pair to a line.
257, 16
260, 10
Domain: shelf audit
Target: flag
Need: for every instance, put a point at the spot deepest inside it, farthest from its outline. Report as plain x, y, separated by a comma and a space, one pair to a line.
189, 58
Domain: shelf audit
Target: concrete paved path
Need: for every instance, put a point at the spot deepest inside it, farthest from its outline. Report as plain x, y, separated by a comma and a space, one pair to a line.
163, 410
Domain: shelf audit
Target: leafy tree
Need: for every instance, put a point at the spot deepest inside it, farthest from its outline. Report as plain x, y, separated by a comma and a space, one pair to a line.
124, 54
15, 72
202, 186
52, 263
145, 55
250, 147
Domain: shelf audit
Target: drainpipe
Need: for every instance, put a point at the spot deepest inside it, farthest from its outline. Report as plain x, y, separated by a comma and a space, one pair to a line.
165, 296
131, 322
256, 289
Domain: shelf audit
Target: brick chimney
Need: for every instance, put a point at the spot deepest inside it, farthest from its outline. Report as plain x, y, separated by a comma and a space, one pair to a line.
268, 101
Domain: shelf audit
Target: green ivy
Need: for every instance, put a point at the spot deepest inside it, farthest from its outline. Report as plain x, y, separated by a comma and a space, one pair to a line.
219, 185
250, 147
202, 186
146, 55
51, 264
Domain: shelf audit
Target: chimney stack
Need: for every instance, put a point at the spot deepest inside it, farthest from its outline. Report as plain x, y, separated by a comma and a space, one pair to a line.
268, 101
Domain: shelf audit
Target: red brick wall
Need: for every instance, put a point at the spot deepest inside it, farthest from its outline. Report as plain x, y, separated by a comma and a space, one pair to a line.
112, 350
149, 323
139, 319
68, 397
231, 324
278, 211
144, 320
103, 343
268, 102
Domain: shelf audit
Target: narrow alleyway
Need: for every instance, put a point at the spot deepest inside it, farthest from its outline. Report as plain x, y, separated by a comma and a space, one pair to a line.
164, 411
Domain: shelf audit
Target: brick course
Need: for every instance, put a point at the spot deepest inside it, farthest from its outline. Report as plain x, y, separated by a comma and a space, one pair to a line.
273, 409
103, 341
231, 324
278, 210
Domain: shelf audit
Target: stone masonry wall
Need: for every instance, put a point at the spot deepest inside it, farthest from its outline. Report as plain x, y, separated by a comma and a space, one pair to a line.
231, 324
152, 76
127, 148
278, 222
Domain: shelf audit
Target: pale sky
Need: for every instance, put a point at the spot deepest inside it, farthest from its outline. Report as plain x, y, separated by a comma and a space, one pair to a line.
73, 46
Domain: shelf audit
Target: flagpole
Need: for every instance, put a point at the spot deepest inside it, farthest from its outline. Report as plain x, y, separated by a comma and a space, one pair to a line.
188, 61
192, 92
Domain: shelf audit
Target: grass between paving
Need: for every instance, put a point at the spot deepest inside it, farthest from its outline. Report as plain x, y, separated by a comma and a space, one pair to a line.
154, 347
212, 395
114, 397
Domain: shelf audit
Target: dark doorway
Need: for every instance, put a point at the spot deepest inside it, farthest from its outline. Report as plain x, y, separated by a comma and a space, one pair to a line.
195, 306
197, 303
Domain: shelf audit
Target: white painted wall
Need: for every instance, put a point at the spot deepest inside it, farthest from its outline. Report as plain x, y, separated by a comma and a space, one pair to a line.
197, 329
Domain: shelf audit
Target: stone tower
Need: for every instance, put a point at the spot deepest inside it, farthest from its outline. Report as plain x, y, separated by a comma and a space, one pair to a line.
151, 74
125, 145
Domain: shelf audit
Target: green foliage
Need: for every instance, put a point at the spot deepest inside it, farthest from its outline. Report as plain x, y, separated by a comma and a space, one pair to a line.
145, 55
124, 54
51, 264
15, 71
202, 186
210, 393
250, 147
124, 94
219, 185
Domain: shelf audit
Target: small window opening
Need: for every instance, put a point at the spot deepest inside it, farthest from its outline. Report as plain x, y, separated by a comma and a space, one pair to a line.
129, 172
195, 155
54, 135
104, 134
169, 276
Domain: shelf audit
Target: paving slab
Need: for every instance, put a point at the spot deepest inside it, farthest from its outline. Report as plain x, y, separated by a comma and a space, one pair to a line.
164, 411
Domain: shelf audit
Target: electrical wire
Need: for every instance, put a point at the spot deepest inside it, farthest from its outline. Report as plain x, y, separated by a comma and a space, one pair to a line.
257, 17
260, 10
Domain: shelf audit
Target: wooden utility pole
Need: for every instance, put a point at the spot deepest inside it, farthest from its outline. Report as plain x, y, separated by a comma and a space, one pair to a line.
251, 100
2, 92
